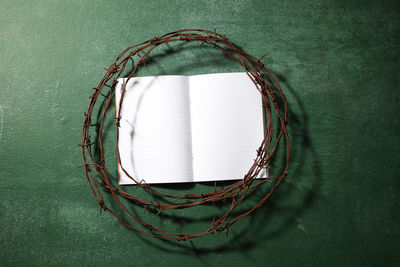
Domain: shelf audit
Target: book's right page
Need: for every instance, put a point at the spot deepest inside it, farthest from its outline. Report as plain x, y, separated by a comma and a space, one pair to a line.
227, 125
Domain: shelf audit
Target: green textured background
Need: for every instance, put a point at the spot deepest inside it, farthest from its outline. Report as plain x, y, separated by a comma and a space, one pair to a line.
338, 64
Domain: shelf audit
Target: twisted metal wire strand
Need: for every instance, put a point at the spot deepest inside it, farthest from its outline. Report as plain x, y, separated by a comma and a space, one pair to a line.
96, 171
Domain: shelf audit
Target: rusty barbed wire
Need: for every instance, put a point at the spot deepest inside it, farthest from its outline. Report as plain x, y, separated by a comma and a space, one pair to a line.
96, 171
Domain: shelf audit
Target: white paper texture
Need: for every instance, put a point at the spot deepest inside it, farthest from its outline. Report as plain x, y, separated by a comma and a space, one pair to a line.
155, 133
227, 125
189, 128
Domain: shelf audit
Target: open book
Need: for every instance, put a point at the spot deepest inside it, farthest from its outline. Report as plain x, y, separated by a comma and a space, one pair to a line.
189, 128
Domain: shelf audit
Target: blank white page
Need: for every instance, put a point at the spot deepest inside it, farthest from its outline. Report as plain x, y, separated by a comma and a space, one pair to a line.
227, 125
155, 133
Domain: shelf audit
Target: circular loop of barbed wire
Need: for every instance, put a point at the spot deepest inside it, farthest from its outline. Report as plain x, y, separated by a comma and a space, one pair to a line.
95, 167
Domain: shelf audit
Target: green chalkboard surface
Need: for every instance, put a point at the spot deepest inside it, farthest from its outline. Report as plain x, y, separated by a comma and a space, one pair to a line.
338, 64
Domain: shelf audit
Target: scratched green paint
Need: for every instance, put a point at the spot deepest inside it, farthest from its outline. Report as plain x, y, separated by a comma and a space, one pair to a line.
338, 64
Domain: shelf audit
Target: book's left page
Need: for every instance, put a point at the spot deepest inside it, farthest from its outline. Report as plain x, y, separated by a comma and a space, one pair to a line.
155, 131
